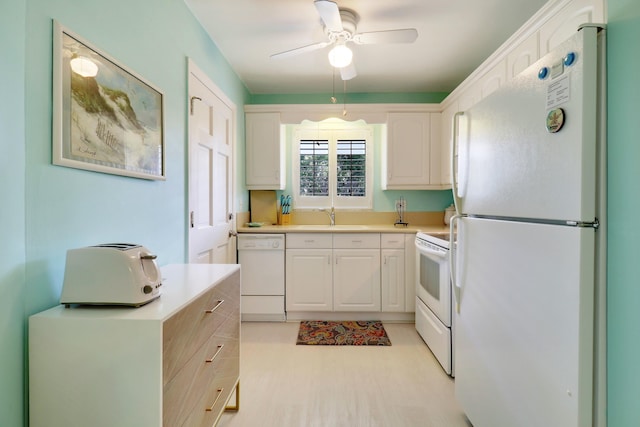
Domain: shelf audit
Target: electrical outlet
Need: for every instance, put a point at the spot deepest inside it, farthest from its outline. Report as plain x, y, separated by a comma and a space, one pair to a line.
401, 204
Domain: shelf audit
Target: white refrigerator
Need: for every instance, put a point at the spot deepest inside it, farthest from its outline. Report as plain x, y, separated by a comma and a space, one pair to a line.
528, 266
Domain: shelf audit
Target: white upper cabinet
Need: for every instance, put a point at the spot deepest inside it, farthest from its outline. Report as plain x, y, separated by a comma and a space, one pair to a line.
567, 21
411, 157
523, 55
265, 155
493, 79
447, 141
554, 23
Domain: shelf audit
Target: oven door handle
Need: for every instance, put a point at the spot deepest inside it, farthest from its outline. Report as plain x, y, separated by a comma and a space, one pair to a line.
453, 266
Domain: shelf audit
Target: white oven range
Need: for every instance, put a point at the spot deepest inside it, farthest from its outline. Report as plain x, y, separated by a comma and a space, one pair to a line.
434, 300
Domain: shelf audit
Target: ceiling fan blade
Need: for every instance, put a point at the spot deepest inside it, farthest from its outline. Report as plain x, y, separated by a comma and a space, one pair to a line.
407, 35
330, 14
348, 72
299, 50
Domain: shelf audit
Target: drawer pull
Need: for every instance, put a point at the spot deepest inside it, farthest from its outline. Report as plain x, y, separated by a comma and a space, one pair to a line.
215, 355
211, 310
210, 408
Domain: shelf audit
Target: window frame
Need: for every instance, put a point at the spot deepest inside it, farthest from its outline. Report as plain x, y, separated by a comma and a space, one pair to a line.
333, 132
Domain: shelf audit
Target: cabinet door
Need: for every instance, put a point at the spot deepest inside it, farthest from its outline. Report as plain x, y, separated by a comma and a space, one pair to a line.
446, 142
523, 55
309, 280
493, 79
393, 280
408, 151
566, 22
410, 272
264, 152
356, 280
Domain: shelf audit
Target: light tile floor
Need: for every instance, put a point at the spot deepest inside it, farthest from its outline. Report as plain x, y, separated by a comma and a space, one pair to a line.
288, 385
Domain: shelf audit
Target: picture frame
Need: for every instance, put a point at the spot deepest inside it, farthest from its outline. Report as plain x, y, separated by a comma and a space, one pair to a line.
106, 118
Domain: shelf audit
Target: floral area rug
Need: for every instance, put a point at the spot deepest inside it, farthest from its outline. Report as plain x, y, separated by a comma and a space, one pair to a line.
319, 332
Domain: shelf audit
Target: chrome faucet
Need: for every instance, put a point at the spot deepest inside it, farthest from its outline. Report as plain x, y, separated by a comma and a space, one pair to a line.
332, 215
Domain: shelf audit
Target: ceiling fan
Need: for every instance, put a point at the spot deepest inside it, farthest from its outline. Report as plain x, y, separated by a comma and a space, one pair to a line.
340, 28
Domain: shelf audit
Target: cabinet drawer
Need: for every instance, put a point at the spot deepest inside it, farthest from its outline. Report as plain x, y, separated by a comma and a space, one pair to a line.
356, 241
186, 331
392, 240
211, 403
193, 385
309, 240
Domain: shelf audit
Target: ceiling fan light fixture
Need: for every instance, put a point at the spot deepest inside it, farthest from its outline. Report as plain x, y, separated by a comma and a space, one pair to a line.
340, 56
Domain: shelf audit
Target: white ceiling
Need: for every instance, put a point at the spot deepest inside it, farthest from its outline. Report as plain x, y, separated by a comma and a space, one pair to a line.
454, 37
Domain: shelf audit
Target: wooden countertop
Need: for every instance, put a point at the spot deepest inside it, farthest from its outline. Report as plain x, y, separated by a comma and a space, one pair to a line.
343, 228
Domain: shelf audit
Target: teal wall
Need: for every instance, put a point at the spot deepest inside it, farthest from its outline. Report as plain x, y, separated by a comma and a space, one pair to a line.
12, 212
47, 209
623, 207
69, 208
383, 200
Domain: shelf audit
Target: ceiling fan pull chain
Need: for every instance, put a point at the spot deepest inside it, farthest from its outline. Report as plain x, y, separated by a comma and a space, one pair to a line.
333, 97
344, 99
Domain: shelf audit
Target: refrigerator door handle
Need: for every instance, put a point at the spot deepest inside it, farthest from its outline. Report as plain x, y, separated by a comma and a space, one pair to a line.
453, 266
454, 159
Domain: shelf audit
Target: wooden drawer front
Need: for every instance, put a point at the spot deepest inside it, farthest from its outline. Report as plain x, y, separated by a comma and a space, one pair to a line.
356, 241
209, 409
192, 388
186, 331
392, 240
309, 240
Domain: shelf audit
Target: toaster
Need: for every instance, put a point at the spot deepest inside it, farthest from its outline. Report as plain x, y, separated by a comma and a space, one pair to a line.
111, 274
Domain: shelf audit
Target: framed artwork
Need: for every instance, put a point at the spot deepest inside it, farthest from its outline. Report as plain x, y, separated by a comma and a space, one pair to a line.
106, 118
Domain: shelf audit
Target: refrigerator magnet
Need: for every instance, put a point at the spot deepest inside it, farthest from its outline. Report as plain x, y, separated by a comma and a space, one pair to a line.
555, 120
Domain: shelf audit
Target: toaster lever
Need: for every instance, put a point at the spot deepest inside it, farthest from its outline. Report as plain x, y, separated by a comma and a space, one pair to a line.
148, 256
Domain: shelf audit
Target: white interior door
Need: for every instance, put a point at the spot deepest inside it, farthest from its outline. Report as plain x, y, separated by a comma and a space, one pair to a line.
211, 172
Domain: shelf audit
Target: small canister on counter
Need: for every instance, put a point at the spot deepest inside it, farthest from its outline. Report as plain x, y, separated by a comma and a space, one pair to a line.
448, 213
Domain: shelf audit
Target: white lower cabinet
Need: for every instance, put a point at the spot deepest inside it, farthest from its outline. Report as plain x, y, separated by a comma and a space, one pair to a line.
309, 280
309, 272
356, 280
392, 269
346, 272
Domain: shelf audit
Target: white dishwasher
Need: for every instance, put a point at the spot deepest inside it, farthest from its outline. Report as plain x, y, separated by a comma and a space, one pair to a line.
261, 259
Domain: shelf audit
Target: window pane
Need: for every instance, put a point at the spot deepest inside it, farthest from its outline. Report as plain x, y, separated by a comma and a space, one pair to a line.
351, 173
314, 168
